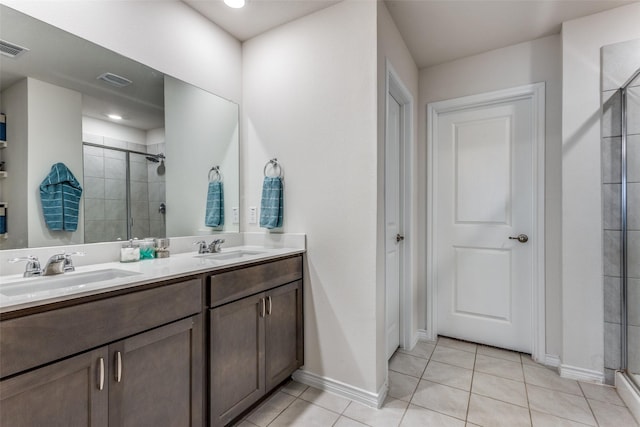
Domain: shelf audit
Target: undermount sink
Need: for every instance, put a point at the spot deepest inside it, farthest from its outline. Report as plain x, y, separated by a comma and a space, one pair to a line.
234, 254
72, 280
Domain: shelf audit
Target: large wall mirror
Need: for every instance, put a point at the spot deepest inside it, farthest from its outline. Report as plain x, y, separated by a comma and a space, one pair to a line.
144, 146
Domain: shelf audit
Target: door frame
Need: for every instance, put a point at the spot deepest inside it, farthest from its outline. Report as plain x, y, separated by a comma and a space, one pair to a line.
536, 93
395, 87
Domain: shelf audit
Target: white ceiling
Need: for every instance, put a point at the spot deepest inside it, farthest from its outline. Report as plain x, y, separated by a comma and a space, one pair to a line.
65, 60
257, 16
435, 31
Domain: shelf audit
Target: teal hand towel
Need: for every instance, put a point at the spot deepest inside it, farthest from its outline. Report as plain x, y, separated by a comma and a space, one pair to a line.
214, 215
60, 194
271, 207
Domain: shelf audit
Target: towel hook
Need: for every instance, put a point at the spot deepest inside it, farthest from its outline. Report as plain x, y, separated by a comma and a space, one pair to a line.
214, 174
275, 164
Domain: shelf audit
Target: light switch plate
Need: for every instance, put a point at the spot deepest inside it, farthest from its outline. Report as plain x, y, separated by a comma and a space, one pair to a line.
235, 215
253, 215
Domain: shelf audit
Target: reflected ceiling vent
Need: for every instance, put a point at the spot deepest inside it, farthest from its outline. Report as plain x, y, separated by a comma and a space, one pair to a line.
114, 79
11, 50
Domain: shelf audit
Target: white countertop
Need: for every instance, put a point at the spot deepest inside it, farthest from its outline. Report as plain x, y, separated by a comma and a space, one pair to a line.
147, 271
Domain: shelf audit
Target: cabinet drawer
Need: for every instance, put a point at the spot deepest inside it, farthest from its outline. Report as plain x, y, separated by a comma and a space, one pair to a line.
33, 340
232, 285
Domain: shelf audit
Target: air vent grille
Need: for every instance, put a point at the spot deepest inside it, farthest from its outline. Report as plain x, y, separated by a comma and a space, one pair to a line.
11, 50
114, 80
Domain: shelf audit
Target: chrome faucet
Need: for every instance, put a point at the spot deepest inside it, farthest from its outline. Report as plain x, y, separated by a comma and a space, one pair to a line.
216, 246
213, 248
57, 264
32, 268
60, 263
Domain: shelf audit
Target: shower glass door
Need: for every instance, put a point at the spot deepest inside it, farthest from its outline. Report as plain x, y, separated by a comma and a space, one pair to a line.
124, 195
105, 194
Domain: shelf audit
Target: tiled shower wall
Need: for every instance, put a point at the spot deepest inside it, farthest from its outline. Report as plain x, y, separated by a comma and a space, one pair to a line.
157, 223
105, 191
619, 61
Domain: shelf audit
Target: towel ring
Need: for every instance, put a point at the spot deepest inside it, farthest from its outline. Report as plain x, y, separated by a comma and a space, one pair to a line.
215, 175
274, 165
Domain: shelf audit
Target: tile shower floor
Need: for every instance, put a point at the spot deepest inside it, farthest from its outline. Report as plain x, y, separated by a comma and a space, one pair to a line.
453, 383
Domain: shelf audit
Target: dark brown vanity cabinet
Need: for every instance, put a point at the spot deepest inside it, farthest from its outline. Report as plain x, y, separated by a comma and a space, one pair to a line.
255, 338
152, 378
62, 394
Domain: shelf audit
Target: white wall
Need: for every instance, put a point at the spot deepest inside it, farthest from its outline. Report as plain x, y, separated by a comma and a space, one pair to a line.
310, 100
582, 296
55, 135
105, 129
393, 50
166, 35
524, 63
205, 127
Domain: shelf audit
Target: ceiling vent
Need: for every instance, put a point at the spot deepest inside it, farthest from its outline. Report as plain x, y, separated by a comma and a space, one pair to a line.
11, 50
114, 80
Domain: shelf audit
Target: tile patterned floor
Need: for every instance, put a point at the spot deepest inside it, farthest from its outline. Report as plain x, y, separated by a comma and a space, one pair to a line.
457, 384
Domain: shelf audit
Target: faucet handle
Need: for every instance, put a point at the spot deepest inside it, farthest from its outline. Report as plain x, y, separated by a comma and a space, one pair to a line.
23, 258
68, 262
33, 265
202, 246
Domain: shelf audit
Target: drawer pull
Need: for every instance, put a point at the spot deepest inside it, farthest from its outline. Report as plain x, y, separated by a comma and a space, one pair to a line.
101, 373
118, 366
269, 310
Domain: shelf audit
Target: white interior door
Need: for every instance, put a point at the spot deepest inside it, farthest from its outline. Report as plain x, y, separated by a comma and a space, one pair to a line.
392, 224
484, 196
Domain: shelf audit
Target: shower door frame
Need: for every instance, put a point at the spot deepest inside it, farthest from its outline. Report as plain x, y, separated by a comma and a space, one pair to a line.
624, 361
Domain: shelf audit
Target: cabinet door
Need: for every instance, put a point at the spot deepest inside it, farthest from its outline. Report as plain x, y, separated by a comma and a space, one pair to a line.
283, 333
66, 393
237, 357
156, 377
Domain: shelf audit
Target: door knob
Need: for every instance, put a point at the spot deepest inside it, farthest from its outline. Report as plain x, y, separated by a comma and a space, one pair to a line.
399, 238
522, 238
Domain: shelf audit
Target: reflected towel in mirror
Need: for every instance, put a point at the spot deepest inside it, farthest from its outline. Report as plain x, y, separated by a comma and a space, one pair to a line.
214, 215
60, 194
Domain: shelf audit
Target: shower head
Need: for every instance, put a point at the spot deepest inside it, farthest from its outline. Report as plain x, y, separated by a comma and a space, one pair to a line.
155, 158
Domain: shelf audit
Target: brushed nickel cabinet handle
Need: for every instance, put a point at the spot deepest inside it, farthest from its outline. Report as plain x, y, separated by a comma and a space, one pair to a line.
269, 310
118, 366
264, 307
101, 373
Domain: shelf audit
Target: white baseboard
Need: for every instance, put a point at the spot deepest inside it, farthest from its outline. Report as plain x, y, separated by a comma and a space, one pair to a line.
374, 400
423, 335
628, 394
581, 374
551, 360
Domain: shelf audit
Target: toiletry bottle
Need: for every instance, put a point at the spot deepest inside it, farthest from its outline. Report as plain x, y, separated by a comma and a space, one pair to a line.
147, 249
130, 251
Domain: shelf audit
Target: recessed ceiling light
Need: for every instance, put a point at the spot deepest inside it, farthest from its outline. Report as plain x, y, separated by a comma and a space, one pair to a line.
236, 4
114, 116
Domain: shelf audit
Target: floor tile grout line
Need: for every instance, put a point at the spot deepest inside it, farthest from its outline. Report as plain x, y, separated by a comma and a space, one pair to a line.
473, 374
436, 411
526, 391
282, 411
593, 413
